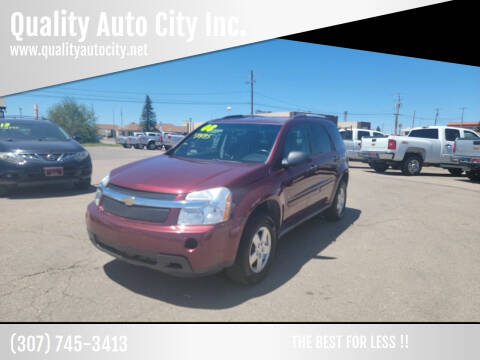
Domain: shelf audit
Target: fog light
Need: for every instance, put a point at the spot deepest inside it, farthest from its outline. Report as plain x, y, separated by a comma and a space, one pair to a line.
191, 244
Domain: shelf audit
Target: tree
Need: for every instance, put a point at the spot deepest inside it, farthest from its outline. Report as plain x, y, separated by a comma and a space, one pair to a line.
378, 128
148, 119
75, 119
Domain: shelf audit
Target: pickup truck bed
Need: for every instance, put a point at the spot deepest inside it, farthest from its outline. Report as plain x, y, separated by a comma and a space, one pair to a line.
467, 153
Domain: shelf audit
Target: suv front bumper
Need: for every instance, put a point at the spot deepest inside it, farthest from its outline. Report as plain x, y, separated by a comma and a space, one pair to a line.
163, 247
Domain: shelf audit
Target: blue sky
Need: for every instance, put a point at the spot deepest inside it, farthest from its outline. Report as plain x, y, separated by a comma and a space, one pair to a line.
289, 76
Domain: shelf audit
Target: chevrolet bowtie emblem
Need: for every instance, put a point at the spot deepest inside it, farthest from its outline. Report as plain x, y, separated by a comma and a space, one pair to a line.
129, 201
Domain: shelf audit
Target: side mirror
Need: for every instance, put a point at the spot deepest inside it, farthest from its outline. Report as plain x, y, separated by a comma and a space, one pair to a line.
295, 158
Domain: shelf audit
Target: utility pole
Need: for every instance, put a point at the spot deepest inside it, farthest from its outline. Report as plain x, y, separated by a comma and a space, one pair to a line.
345, 116
413, 120
35, 111
463, 109
251, 82
20, 111
436, 116
397, 112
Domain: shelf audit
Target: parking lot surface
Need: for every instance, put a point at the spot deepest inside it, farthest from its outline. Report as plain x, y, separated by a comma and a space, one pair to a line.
408, 249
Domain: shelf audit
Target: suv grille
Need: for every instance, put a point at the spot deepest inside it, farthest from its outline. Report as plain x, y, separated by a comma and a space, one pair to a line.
136, 212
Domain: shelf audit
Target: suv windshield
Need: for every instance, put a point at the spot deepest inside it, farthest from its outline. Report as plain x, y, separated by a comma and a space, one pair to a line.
19, 130
231, 142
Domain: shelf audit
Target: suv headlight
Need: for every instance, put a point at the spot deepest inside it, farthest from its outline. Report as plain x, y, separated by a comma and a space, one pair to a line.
13, 158
99, 193
79, 156
216, 209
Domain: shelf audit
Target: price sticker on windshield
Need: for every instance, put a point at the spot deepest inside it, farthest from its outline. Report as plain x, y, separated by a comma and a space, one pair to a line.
208, 127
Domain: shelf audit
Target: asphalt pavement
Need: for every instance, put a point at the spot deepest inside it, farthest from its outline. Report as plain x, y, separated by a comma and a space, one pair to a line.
408, 249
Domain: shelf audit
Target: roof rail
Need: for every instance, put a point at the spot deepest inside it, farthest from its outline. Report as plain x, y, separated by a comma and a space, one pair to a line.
233, 116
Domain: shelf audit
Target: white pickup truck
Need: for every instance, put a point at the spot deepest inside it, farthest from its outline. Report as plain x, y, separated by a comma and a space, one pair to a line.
352, 139
466, 151
423, 146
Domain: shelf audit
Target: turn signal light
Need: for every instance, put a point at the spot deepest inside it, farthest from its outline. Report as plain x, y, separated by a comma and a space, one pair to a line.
392, 144
454, 147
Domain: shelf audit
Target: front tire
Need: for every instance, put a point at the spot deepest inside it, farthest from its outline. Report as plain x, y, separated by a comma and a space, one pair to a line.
255, 251
379, 167
455, 172
337, 209
412, 165
151, 146
473, 175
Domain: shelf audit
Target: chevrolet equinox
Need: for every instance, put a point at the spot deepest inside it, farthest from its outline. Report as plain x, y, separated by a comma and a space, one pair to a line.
222, 197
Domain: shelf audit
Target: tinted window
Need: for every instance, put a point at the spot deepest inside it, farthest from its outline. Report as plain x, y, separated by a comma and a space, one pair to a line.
424, 133
321, 142
346, 135
470, 135
451, 134
230, 142
338, 144
296, 140
377, 134
38, 130
361, 134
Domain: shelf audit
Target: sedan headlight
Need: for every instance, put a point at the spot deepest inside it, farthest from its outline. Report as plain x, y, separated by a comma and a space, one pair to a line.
13, 158
79, 156
215, 210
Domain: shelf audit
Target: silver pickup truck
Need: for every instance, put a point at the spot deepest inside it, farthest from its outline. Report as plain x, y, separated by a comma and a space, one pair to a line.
151, 140
467, 153
170, 139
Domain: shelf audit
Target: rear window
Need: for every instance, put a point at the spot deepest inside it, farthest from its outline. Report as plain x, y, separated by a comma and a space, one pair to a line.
424, 133
377, 134
346, 135
451, 134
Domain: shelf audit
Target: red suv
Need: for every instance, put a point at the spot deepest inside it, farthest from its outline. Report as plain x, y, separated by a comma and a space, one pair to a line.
223, 196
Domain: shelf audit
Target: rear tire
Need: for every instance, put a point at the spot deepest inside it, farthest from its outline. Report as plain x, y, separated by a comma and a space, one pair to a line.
455, 172
379, 167
412, 165
337, 209
255, 251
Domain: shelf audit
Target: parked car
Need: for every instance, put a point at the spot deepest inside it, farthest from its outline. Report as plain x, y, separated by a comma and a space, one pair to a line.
424, 146
38, 152
150, 140
352, 139
170, 139
222, 197
466, 151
